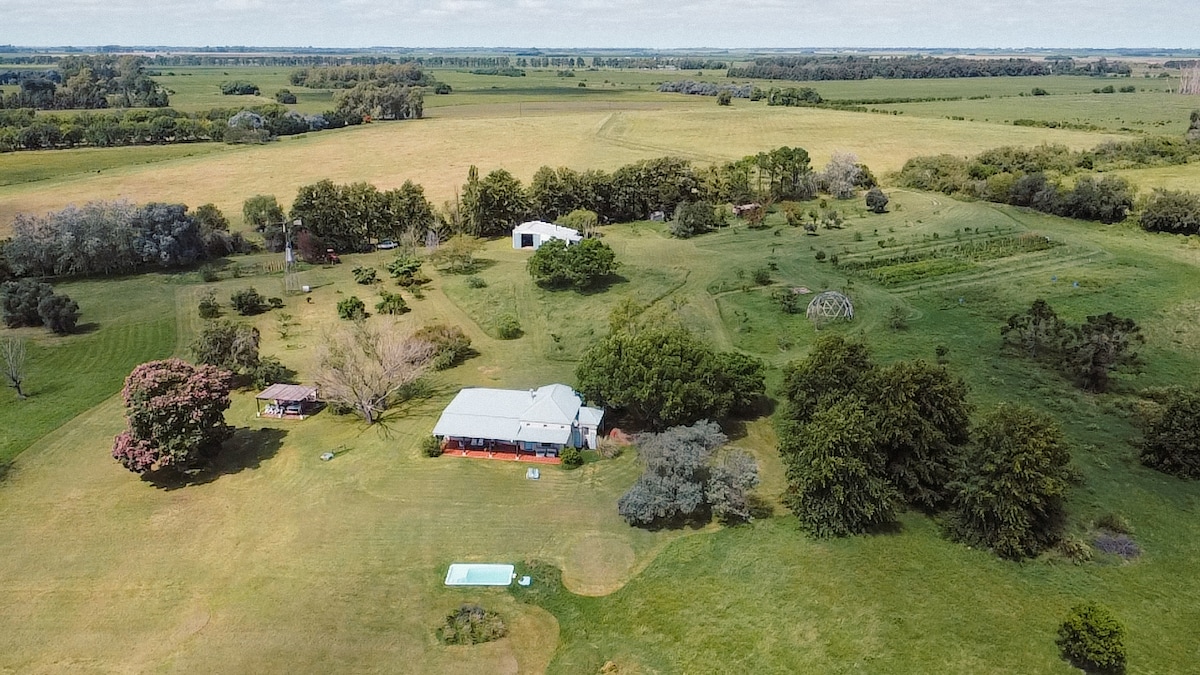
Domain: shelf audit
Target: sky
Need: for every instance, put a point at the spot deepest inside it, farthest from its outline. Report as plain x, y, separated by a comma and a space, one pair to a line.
653, 24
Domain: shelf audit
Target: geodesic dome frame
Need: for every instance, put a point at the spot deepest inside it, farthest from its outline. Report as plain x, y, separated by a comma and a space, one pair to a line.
830, 306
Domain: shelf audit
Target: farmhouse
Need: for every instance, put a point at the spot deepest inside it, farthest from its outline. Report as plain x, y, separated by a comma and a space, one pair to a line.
536, 232
535, 422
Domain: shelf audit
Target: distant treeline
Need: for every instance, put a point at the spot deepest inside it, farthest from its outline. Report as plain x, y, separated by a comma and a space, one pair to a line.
346, 77
296, 61
23, 130
87, 82
503, 72
682, 63
1030, 176
19, 76
815, 68
708, 88
1181, 65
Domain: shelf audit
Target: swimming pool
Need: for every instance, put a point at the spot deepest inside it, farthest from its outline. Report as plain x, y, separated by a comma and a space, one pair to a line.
479, 574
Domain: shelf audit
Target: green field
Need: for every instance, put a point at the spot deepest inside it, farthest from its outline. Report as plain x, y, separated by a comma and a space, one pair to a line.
275, 561
338, 565
520, 137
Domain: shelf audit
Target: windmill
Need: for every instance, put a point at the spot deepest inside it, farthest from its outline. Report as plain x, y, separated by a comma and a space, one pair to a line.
291, 283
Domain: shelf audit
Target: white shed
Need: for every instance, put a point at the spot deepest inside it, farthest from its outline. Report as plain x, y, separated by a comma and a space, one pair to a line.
536, 232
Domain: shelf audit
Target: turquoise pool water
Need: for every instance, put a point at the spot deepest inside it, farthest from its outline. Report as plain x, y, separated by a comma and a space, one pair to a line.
479, 574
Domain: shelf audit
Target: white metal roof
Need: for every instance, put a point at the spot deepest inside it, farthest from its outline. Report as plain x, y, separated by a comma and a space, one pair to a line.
590, 416
548, 230
543, 415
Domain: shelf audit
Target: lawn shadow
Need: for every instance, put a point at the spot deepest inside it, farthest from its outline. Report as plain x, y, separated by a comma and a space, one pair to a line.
86, 328
603, 284
247, 449
423, 399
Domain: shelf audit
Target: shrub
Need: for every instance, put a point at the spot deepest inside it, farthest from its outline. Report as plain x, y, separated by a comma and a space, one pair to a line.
1114, 522
209, 307
1091, 638
820, 256
476, 282
285, 96
1171, 438
365, 275
897, 317
788, 300
762, 276
351, 309
209, 274
471, 625
877, 201
1172, 211
247, 302
508, 327
269, 371
239, 88
275, 303
59, 313
450, 343
431, 446
20, 300
404, 269
1075, 549
692, 218
389, 303
571, 457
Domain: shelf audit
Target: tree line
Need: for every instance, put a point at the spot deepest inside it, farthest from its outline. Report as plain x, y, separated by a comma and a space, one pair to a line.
806, 68
23, 129
89, 82
347, 77
347, 217
102, 238
1031, 177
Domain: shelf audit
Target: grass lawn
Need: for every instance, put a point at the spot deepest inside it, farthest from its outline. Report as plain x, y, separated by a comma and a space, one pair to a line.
123, 323
278, 561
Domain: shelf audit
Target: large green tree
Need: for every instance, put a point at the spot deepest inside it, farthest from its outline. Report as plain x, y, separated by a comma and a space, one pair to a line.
494, 204
665, 376
1100, 346
580, 266
922, 420
1013, 482
837, 474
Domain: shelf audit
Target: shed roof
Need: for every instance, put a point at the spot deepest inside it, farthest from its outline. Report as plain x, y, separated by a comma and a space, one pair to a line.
548, 230
288, 392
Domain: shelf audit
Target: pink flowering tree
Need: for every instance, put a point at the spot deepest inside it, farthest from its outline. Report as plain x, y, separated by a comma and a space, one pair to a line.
175, 415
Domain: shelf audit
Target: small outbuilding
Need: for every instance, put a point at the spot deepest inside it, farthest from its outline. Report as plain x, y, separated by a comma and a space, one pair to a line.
287, 401
536, 232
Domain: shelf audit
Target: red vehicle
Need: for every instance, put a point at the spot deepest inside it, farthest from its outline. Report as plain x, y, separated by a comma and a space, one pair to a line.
331, 257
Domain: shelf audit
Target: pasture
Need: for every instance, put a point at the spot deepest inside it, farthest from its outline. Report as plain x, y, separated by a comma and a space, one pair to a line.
338, 565
437, 151
276, 561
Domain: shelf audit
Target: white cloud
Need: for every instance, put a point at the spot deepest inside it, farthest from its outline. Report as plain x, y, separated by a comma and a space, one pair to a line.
603, 23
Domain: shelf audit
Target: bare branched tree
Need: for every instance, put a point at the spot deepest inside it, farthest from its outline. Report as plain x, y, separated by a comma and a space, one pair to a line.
13, 359
364, 369
841, 175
